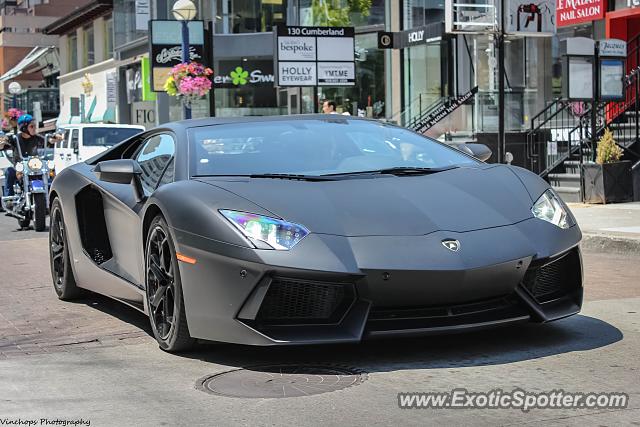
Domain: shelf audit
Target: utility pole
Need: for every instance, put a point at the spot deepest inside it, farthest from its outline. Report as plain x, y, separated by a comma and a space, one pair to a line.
501, 79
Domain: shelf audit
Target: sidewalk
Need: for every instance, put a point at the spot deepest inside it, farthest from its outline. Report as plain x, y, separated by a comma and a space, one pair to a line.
613, 227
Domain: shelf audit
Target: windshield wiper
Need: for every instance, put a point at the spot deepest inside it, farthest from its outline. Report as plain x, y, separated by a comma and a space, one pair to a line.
400, 171
295, 177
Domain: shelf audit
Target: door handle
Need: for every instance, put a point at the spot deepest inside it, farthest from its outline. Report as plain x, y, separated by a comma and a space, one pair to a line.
62, 155
68, 156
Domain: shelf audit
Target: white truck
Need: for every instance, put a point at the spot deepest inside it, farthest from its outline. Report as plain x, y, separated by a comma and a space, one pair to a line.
82, 141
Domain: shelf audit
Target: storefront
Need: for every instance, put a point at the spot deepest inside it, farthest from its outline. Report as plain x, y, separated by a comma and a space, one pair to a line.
89, 95
243, 57
624, 23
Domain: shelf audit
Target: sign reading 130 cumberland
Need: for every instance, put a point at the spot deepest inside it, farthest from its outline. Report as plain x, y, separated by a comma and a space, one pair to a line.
315, 56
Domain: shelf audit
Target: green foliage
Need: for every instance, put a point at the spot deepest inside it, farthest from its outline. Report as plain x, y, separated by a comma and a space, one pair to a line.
337, 13
608, 151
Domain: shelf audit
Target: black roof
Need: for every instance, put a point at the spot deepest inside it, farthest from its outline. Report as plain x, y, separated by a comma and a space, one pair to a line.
209, 121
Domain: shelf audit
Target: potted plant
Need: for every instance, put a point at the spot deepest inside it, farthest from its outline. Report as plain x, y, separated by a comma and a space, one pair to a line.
608, 180
189, 82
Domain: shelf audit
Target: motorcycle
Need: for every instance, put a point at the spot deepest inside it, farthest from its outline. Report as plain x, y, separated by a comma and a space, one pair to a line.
31, 199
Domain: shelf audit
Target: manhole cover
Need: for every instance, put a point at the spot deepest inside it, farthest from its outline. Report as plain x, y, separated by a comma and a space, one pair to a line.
281, 381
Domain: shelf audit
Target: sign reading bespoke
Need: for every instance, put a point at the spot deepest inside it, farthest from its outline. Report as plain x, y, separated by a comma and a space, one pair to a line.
165, 50
571, 12
314, 56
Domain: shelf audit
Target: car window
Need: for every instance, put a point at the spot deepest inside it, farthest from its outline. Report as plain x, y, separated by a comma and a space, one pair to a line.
75, 135
154, 156
107, 136
169, 172
64, 140
314, 147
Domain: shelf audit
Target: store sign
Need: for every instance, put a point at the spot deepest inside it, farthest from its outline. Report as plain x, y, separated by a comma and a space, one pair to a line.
238, 73
143, 113
387, 40
572, 12
314, 56
142, 15
612, 47
165, 49
443, 111
112, 89
528, 18
413, 37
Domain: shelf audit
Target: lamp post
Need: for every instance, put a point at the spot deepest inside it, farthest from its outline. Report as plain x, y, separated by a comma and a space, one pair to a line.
185, 11
14, 89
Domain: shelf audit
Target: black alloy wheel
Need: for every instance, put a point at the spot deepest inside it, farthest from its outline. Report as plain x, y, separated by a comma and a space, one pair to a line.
64, 281
164, 293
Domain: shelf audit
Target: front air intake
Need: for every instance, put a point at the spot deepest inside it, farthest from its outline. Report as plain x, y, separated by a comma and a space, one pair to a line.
293, 301
547, 281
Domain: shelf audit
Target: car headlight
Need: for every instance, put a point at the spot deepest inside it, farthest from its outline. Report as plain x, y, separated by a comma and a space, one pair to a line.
276, 233
35, 163
549, 208
51, 164
19, 167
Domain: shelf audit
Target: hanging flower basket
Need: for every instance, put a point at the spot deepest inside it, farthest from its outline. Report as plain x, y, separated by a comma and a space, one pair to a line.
189, 82
11, 117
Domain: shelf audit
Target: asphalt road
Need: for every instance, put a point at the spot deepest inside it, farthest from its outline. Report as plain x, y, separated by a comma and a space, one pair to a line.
95, 360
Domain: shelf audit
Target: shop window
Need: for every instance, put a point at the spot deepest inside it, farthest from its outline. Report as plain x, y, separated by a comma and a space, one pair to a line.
124, 19
72, 49
367, 97
108, 37
89, 46
422, 12
250, 16
341, 13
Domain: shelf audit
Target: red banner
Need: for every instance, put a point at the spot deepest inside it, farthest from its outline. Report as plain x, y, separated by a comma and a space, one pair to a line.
572, 12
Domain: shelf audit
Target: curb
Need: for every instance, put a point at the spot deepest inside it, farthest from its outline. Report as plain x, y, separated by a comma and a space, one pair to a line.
608, 243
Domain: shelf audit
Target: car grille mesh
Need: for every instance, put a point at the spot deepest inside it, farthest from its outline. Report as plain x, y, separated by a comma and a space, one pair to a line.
554, 279
290, 300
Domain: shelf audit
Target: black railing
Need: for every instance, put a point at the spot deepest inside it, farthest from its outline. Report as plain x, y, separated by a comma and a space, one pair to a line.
554, 135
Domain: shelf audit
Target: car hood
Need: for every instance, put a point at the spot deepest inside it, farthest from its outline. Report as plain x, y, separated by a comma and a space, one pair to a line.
461, 199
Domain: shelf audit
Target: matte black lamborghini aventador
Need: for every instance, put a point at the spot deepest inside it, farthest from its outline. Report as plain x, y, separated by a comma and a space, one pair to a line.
311, 229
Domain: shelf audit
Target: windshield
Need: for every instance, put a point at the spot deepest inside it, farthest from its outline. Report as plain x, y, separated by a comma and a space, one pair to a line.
313, 148
106, 136
45, 153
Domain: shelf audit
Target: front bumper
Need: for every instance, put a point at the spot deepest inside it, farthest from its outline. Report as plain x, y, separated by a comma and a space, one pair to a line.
332, 289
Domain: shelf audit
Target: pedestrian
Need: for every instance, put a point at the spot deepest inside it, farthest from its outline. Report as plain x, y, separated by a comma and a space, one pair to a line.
28, 142
329, 107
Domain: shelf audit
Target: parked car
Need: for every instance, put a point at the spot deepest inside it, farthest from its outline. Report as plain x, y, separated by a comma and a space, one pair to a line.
83, 141
311, 229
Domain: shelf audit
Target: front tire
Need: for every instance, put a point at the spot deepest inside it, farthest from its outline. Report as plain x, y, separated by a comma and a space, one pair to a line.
40, 211
64, 281
164, 290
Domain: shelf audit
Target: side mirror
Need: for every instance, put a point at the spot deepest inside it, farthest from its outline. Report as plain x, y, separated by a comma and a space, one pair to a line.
479, 151
76, 150
121, 171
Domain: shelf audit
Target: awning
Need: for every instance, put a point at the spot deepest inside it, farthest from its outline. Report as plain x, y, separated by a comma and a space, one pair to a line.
31, 57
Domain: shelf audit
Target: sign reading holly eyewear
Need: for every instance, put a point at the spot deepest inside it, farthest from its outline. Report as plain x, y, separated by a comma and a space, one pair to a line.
165, 48
572, 12
314, 56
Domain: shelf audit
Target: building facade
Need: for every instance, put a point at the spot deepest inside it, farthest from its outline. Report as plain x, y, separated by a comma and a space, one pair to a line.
28, 55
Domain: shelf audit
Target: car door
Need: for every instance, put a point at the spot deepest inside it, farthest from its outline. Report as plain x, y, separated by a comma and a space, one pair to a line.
155, 156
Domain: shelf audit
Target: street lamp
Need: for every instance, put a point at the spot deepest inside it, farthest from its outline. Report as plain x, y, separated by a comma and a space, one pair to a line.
185, 11
14, 89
